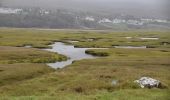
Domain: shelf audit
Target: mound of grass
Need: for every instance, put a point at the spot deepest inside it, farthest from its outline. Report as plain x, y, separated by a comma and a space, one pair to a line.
99, 53
27, 55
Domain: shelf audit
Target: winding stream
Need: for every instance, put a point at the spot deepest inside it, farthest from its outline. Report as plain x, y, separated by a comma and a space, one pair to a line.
71, 52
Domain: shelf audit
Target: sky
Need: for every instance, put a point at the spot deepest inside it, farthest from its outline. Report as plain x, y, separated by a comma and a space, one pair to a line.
138, 7
80, 2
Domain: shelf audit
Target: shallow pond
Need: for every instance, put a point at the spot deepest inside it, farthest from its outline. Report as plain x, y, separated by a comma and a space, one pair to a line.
72, 41
71, 52
149, 38
131, 47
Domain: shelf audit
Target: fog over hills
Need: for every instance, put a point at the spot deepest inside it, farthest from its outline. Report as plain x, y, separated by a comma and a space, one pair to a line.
86, 14
141, 8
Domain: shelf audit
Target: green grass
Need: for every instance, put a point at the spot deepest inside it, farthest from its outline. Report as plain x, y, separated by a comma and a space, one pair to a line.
41, 38
28, 79
100, 53
117, 95
15, 73
11, 55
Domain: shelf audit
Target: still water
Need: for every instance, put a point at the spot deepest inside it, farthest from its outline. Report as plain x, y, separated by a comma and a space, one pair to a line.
70, 51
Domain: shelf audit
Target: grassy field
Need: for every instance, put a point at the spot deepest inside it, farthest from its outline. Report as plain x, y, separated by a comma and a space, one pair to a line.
23, 77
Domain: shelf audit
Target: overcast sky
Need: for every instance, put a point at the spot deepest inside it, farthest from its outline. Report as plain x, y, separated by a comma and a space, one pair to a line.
150, 7
65, 2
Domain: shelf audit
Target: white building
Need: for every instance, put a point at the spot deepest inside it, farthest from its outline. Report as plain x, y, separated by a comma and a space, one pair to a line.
160, 21
154, 20
147, 20
105, 20
10, 11
117, 21
134, 22
89, 18
44, 12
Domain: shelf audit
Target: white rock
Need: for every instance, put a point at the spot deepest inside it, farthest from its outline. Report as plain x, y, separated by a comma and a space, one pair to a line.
148, 82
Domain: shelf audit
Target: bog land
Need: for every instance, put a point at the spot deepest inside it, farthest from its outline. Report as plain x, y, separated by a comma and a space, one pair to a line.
24, 74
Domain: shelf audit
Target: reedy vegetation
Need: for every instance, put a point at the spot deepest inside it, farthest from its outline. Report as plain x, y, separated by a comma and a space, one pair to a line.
85, 79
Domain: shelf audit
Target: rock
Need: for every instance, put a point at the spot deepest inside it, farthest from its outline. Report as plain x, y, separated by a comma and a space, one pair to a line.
28, 46
114, 82
147, 82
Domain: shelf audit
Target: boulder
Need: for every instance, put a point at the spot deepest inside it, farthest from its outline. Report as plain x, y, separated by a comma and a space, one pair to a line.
147, 82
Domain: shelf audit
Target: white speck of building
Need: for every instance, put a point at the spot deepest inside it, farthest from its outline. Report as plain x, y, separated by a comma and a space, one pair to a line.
89, 18
134, 22
105, 20
10, 11
117, 21
161, 21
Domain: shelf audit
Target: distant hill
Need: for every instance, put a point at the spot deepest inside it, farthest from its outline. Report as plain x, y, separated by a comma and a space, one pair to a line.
137, 8
65, 18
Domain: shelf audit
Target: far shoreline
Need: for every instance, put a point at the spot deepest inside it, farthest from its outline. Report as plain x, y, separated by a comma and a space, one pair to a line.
88, 30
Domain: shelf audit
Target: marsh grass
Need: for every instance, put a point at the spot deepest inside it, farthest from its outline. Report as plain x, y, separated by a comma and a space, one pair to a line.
99, 53
41, 39
12, 55
15, 73
88, 79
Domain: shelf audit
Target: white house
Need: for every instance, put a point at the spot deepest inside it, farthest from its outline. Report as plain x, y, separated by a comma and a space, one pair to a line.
117, 21
161, 21
105, 20
134, 22
89, 18
10, 11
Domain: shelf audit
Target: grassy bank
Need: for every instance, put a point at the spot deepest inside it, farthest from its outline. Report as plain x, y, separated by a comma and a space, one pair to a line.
11, 55
19, 63
100, 53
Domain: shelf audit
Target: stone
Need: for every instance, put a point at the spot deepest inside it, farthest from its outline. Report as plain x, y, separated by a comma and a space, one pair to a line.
114, 82
147, 82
